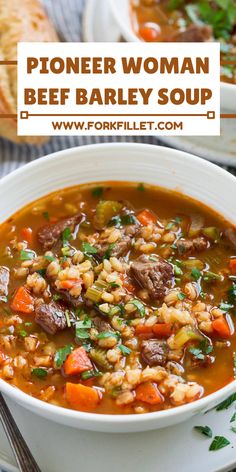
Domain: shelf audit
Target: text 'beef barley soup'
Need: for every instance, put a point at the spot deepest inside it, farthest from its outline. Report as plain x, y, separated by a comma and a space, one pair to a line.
117, 298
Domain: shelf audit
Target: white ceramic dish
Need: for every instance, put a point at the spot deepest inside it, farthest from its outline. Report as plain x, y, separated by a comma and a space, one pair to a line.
134, 162
58, 448
121, 13
99, 26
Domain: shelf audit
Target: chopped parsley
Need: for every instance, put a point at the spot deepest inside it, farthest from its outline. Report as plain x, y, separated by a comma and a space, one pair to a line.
62, 353
39, 372
139, 305
46, 215
226, 403
81, 329
97, 192
108, 334
124, 350
88, 249
218, 443
226, 306
233, 429
124, 220
89, 374
141, 187
26, 255
22, 333
181, 296
49, 258
205, 430
232, 294
42, 272
233, 418
196, 352
68, 321
196, 274
66, 236
108, 252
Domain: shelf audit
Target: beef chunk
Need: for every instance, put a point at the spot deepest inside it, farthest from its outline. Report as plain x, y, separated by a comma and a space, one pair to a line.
187, 246
154, 352
194, 33
230, 234
155, 276
101, 325
4, 282
71, 301
50, 317
49, 235
121, 247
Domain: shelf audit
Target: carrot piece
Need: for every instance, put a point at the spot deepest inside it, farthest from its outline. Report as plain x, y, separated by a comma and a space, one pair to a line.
77, 362
221, 326
149, 34
163, 330
81, 397
148, 392
23, 301
27, 235
143, 329
70, 283
145, 217
232, 265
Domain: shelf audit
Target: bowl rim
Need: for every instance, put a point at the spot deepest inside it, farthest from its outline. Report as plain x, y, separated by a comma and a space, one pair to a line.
35, 404
133, 37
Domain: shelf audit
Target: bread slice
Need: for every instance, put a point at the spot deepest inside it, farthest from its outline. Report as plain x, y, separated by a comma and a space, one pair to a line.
20, 20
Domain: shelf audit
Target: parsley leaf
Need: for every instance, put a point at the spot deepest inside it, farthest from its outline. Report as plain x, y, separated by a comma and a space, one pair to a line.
218, 443
66, 236
97, 192
108, 252
108, 334
232, 293
226, 403
233, 418
141, 187
181, 296
61, 354
26, 255
124, 350
46, 215
196, 274
139, 305
197, 353
89, 374
205, 430
88, 249
81, 329
39, 372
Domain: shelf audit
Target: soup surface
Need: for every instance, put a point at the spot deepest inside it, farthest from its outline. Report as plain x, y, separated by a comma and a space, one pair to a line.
190, 21
117, 298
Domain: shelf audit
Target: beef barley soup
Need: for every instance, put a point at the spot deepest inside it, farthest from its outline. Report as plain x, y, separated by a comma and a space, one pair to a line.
117, 298
190, 21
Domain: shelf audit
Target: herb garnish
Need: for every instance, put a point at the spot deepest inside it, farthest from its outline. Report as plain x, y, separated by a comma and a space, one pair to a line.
26, 255
218, 443
108, 252
66, 236
89, 374
39, 372
196, 274
108, 334
97, 192
205, 430
181, 296
124, 220
140, 307
226, 403
46, 215
141, 187
88, 249
233, 418
124, 350
81, 329
61, 354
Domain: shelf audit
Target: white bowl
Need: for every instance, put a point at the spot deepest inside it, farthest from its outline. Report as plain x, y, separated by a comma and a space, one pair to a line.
122, 15
121, 162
